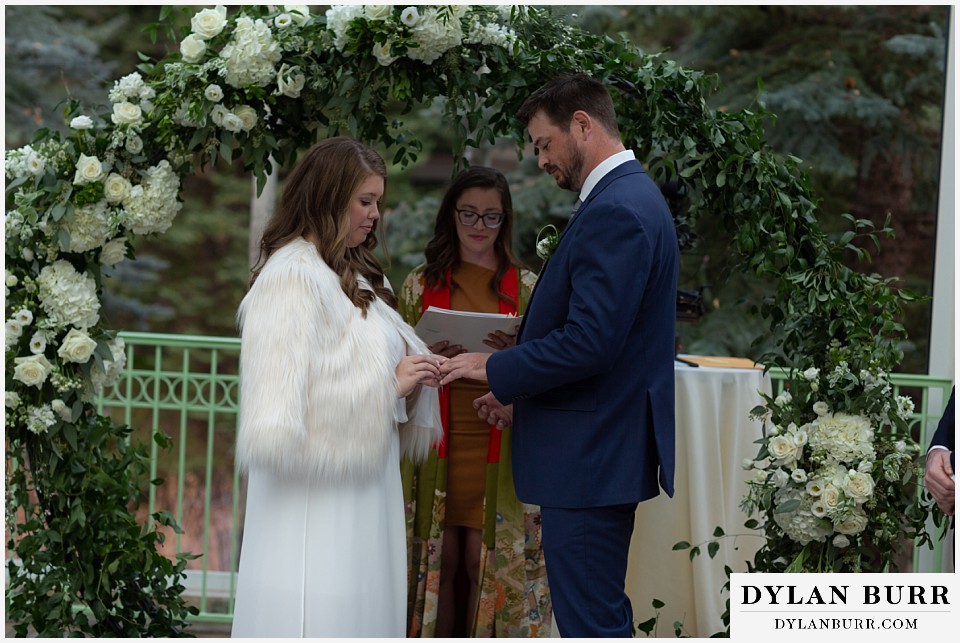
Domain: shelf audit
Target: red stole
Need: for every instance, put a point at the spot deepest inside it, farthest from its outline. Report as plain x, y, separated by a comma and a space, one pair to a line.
440, 298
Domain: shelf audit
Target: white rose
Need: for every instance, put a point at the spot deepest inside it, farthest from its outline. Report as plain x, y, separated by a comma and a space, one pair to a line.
746, 464
300, 13
126, 113
89, 169
821, 408
783, 399
11, 399
830, 496
192, 49
780, 478
81, 123
377, 11
213, 93
290, 82
32, 370
13, 330
782, 448
114, 251
116, 188
11, 280
209, 22
232, 122
853, 524
134, 144
409, 16
27, 254
859, 486
759, 475
247, 116
811, 374
77, 347
841, 541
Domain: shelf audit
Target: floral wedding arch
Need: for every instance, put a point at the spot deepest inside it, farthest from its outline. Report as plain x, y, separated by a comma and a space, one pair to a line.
260, 84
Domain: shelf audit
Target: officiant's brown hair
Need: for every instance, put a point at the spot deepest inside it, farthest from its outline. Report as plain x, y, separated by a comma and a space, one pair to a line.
443, 250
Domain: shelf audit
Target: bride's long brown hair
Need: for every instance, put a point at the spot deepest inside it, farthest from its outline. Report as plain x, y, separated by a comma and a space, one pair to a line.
315, 205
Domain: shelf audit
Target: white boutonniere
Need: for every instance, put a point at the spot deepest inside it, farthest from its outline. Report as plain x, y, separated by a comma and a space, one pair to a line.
547, 240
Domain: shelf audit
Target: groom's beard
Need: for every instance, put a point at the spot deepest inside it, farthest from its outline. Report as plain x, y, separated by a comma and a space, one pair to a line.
569, 177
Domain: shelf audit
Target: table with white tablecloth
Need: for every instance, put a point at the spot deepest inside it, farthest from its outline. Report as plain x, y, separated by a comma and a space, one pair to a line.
714, 436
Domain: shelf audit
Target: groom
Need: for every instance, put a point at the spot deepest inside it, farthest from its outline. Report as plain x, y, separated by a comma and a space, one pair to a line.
589, 387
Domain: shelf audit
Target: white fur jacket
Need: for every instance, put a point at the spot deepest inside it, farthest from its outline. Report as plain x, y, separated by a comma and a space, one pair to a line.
318, 396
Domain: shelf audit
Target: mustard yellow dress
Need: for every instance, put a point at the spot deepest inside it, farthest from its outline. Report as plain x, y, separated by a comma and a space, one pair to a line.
473, 487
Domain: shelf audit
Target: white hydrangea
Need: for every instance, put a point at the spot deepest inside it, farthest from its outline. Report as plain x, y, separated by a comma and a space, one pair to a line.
843, 437
152, 205
131, 88
251, 55
68, 297
89, 227
800, 525
435, 35
40, 418
24, 162
338, 19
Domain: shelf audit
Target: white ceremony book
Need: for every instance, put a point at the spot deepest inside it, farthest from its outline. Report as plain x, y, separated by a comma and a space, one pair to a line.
464, 328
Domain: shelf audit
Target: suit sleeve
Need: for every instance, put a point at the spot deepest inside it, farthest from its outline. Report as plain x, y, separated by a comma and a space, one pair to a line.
945, 435
611, 259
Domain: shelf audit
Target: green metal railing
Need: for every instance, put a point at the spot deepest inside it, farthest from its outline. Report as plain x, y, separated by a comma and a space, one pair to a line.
188, 387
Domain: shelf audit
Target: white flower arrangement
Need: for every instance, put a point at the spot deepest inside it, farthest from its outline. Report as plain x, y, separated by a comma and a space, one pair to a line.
832, 470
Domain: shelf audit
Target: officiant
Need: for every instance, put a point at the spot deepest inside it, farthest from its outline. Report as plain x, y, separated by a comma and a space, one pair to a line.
489, 542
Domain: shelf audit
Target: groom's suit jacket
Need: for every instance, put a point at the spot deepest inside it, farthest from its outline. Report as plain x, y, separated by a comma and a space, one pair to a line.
591, 379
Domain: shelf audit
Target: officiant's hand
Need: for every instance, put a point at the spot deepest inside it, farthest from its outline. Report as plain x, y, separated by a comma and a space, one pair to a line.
498, 340
939, 479
471, 366
491, 410
446, 349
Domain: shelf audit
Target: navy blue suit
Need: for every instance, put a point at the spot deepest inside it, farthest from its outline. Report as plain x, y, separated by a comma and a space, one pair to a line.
591, 381
945, 436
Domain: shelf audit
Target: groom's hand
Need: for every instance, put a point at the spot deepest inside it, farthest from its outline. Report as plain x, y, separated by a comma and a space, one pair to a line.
471, 366
491, 410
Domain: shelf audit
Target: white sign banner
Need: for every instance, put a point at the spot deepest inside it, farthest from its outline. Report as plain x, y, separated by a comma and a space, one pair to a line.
844, 607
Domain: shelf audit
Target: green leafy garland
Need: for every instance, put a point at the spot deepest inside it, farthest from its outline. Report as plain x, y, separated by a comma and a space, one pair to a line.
259, 85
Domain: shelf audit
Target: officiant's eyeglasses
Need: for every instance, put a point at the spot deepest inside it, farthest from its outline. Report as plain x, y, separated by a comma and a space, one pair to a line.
469, 218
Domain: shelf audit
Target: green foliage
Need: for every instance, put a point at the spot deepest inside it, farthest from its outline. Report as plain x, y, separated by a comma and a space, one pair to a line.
70, 501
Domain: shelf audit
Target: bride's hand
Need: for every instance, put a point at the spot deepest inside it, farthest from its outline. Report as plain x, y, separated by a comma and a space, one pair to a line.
414, 370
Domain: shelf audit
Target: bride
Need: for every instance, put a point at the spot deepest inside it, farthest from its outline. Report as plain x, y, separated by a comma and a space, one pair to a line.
334, 390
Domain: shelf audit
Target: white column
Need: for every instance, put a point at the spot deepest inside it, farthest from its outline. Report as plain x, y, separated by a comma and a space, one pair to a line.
943, 315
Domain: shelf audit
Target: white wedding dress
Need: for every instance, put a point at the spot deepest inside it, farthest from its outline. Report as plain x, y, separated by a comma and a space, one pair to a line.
324, 559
